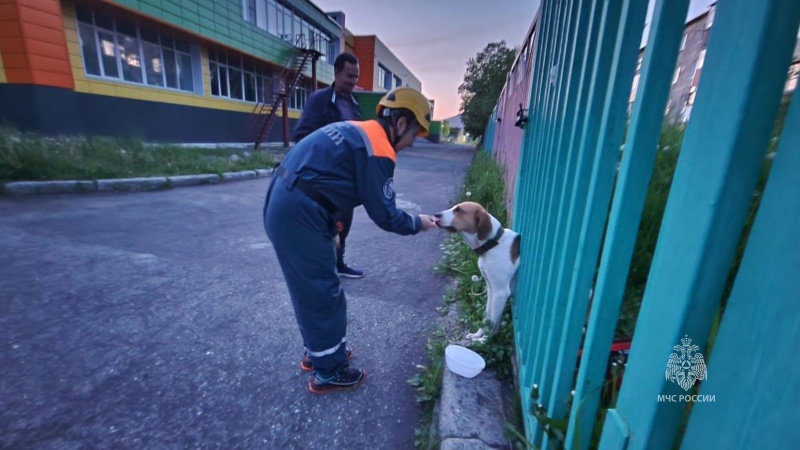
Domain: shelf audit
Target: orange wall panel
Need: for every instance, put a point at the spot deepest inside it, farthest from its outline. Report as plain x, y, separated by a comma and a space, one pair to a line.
46, 65
364, 49
8, 12
18, 75
41, 16
44, 34
33, 43
15, 61
51, 79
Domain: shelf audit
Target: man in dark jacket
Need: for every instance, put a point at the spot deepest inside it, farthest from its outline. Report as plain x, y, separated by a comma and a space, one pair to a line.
338, 167
329, 105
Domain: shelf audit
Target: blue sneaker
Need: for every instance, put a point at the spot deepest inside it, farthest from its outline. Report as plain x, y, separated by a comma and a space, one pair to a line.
349, 272
345, 378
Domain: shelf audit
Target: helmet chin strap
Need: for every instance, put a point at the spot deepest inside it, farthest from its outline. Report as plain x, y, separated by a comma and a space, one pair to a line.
397, 136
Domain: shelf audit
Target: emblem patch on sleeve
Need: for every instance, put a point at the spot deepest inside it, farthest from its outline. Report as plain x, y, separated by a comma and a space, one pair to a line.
388, 189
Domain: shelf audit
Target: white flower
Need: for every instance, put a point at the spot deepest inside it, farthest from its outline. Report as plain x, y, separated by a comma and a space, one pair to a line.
475, 278
469, 194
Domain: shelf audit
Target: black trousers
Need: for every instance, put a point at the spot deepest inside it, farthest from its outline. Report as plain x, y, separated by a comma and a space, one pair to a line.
344, 220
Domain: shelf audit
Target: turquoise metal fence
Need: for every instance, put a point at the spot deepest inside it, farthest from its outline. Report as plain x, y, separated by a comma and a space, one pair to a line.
488, 136
577, 237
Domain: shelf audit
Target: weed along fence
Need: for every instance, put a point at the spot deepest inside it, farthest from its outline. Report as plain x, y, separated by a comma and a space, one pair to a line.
723, 271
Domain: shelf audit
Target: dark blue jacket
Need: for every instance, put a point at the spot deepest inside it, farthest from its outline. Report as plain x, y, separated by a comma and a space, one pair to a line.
352, 163
320, 110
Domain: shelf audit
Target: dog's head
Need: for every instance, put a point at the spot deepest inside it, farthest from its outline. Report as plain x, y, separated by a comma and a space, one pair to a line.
466, 217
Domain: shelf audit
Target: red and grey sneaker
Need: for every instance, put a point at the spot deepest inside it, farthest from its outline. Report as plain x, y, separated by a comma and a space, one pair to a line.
344, 378
307, 366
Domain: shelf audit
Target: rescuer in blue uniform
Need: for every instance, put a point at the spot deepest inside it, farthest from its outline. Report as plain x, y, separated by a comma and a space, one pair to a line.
338, 167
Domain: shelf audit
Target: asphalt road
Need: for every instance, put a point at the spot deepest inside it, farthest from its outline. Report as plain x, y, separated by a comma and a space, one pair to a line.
160, 320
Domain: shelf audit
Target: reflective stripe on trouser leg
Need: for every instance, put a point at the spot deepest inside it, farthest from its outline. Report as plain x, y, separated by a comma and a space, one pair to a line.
302, 236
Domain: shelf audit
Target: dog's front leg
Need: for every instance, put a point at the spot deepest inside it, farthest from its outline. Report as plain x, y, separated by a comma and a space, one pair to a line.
480, 335
498, 305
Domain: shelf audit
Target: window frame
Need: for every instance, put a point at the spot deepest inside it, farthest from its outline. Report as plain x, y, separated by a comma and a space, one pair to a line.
165, 42
262, 76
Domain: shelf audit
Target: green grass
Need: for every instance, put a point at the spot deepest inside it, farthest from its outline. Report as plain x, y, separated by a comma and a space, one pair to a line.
484, 183
428, 383
33, 157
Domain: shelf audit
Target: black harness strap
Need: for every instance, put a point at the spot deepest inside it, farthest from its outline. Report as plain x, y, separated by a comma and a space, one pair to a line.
491, 243
306, 188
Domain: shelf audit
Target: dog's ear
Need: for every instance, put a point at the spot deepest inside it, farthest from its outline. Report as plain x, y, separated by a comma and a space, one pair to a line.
484, 224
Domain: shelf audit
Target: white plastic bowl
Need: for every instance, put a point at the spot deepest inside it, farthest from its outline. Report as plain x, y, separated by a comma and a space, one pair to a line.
463, 361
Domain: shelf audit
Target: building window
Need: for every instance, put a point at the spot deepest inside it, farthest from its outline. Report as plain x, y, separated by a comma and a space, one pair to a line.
250, 11
699, 66
117, 49
692, 92
677, 75
279, 19
710, 17
272, 17
239, 79
299, 96
791, 83
383, 76
700, 59
634, 89
397, 82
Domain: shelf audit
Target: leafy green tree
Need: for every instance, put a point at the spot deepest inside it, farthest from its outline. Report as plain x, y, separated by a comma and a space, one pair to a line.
483, 81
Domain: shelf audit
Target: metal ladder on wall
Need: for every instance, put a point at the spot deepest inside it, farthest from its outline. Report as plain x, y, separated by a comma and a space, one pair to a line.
265, 111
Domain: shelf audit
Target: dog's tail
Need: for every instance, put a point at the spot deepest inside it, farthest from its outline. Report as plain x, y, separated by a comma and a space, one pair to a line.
515, 247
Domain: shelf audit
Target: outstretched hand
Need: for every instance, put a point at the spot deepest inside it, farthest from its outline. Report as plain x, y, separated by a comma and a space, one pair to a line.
428, 222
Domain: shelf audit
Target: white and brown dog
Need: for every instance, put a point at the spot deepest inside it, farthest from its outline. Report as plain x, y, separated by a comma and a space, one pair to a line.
498, 254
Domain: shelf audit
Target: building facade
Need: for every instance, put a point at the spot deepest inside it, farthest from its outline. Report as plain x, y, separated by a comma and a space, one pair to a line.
689, 67
381, 70
172, 71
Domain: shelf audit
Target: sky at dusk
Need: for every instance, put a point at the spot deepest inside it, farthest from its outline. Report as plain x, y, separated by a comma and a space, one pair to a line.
436, 38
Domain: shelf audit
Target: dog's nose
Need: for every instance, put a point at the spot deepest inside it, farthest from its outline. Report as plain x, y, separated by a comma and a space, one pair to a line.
438, 215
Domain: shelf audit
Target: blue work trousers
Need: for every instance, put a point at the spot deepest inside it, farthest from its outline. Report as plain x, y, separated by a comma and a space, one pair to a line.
302, 235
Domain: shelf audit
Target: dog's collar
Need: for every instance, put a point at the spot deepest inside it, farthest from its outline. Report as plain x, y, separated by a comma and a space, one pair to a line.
491, 243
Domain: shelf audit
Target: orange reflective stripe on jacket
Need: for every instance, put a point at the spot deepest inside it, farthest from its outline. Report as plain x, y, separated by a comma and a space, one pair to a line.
375, 139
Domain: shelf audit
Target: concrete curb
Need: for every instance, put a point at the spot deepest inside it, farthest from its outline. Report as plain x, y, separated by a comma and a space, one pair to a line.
243, 175
470, 411
193, 180
132, 184
18, 188
23, 188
